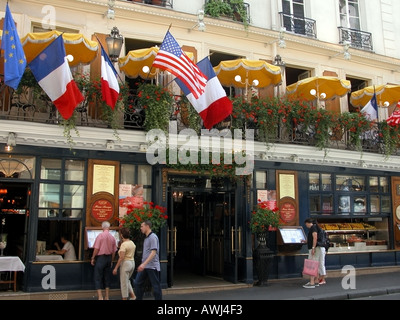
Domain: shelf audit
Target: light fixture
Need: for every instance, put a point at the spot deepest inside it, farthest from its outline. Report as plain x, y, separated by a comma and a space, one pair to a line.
346, 54
255, 82
201, 26
314, 93
114, 44
278, 61
143, 147
178, 196
110, 13
110, 145
281, 41
11, 142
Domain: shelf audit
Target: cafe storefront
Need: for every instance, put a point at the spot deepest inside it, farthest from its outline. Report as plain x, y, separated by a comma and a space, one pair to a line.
45, 194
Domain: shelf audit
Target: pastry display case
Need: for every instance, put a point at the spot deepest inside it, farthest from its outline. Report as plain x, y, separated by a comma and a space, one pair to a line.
357, 236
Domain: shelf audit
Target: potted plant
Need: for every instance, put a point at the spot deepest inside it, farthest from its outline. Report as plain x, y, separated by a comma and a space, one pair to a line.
263, 219
239, 11
136, 215
218, 8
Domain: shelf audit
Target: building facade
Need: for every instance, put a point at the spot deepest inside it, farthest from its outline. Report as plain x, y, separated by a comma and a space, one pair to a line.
55, 181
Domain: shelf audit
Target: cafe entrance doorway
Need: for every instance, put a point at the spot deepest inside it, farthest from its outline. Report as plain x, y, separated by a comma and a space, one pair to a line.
202, 232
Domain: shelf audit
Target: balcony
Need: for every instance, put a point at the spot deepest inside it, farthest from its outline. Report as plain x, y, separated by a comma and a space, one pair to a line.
236, 10
283, 122
356, 39
160, 3
302, 26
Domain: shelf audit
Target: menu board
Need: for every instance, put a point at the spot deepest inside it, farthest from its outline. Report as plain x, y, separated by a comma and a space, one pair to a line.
292, 235
92, 233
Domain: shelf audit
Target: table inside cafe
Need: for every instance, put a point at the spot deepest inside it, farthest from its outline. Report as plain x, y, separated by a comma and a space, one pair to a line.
49, 257
11, 264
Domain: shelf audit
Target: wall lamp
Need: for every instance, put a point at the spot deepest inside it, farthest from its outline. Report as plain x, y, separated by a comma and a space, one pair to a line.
114, 44
11, 142
110, 13
346, 54
201, 26
281, 41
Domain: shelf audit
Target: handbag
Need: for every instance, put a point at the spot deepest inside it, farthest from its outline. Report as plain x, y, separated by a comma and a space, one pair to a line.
310, 268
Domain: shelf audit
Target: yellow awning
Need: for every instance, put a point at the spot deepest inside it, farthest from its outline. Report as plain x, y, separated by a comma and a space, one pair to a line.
82, 49
132, 64
249, 70
325, 87
384, 93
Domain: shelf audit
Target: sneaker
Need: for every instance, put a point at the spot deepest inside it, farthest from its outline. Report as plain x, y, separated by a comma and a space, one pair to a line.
309, 286
315, 284
322, 282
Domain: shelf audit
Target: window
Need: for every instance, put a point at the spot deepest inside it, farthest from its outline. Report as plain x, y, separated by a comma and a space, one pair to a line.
137, 175
353, 196
294, 9
349, 14
61, 206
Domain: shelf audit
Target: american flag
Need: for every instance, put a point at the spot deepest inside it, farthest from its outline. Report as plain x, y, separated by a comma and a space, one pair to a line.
170, 57
394, 119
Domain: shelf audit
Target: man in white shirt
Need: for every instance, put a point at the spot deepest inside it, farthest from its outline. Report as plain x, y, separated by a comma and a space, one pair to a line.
68, 250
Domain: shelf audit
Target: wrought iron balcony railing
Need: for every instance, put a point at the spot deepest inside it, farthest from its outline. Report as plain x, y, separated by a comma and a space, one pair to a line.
23, 107
303, 26
356, 38
160, 3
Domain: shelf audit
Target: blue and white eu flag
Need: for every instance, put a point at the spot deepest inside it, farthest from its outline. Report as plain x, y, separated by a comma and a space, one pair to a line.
14, 55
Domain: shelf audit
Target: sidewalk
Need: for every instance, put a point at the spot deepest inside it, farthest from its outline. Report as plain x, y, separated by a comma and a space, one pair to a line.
366, 285
368, 282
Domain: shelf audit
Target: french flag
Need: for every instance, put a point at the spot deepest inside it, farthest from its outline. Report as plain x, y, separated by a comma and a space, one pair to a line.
54, 76
109, 82
212, 105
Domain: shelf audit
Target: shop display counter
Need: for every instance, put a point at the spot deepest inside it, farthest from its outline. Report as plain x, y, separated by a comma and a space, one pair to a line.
355, 237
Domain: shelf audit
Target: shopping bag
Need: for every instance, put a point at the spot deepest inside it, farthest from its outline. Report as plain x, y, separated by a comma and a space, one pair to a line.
310, 267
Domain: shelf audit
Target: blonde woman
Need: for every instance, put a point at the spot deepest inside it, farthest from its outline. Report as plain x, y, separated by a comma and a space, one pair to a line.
126, 261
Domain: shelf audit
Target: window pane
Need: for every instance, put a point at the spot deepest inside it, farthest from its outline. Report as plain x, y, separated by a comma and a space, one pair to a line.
374, 184
17, 167
147, 194
315, 204
375, 204
144, 175
49, 195
74, 170
326, 182
51, 169
348, 183
327, 204
384, 185
386, 204
314, 182
49, 232
127, 174
73, 196
344, 205
359, 205
261, 180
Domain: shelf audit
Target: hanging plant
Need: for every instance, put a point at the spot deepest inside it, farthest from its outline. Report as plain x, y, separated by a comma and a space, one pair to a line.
157, 103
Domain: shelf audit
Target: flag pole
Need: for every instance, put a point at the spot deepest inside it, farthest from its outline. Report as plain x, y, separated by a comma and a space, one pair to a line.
151, 68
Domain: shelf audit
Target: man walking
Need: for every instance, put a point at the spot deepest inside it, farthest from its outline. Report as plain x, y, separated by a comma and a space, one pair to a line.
150, 266
105, 247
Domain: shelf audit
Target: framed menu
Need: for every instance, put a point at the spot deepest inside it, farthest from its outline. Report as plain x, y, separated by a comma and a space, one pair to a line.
292, 235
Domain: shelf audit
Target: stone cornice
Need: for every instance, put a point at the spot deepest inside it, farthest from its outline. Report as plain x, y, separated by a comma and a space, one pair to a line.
102, 139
